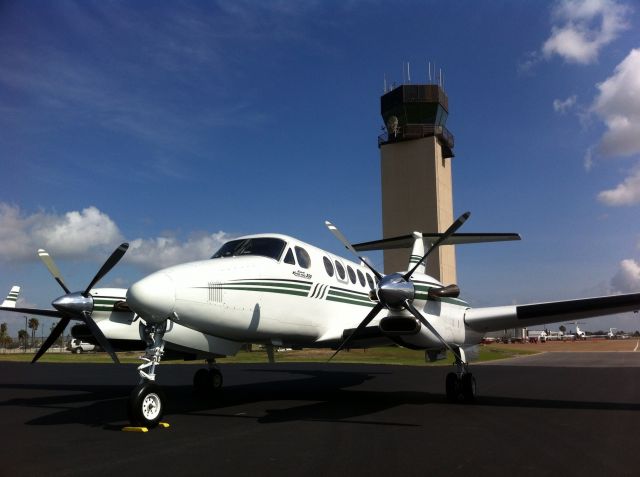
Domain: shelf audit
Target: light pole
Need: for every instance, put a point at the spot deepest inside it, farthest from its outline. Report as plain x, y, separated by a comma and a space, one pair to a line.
26, 334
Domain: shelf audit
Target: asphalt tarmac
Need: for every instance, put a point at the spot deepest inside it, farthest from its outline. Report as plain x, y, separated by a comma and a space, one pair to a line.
533, 417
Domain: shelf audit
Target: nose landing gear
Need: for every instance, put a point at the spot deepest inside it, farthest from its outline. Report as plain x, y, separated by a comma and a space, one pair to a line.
147, 401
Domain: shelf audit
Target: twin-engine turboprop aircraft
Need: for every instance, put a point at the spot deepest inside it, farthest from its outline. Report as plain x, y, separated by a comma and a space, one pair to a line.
279, 291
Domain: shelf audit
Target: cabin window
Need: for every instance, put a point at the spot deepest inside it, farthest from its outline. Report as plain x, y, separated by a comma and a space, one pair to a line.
328, 266
340, 270
263, 246
360, 278
352, 274
304, 260
288, 258
370, 282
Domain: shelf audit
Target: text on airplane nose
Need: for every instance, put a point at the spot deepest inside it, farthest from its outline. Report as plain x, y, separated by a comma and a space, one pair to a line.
153, 297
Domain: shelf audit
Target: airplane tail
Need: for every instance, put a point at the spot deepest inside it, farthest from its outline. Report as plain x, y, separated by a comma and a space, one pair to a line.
12, 297
417, 253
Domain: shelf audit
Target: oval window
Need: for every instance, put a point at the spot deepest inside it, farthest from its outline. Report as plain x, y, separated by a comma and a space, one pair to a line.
370, 282
328, 266
352, 274
304, 260
360, 278
340, 270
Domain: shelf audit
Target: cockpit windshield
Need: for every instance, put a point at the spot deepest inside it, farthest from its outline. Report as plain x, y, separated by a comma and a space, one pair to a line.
263, 246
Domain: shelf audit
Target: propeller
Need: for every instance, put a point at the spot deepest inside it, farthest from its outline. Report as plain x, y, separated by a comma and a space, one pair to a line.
78, 305
396, 291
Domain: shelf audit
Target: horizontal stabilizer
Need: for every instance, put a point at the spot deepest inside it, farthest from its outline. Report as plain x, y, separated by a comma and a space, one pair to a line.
406, 241
12, 297
520, 316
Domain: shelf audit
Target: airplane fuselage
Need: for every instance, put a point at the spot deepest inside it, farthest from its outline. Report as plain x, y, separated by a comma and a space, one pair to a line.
288, 293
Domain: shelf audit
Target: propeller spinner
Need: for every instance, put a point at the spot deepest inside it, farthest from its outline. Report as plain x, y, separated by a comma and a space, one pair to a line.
396, 291
78, 305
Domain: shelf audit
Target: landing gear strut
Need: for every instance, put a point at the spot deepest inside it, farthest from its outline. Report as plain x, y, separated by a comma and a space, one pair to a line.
147, 401
461, 385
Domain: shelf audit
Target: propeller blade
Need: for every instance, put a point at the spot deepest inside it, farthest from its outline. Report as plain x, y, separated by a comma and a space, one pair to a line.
430, 327
98, 335
450, 231
334, 230
108, 265
50, 264
363, 324
55, 334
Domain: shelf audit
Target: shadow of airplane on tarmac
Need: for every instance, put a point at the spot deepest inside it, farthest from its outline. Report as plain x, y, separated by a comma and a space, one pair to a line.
297, 393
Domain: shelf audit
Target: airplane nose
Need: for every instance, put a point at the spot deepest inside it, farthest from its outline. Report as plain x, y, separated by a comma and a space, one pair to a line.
153, 297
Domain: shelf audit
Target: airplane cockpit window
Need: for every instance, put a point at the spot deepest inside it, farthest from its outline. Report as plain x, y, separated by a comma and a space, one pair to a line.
328, 266
340, 270
263, 246
288, 258
304, 260
352, 274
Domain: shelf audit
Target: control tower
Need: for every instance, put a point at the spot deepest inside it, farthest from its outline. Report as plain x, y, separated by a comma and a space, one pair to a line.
415, 158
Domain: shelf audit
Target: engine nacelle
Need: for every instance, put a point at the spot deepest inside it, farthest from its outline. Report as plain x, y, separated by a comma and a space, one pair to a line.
399, 325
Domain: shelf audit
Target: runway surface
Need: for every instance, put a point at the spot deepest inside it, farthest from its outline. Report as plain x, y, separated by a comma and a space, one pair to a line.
533, 417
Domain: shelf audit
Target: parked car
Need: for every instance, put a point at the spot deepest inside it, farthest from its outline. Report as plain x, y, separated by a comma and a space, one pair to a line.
77, 346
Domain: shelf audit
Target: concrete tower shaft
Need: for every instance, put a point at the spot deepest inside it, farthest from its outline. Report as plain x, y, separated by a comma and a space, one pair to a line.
415, 158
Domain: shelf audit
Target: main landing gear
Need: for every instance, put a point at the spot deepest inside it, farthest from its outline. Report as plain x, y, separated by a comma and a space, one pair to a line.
147, 402
461, 385
207, 381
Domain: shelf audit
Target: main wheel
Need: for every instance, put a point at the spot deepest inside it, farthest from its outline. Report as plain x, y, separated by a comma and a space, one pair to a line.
469, 388
206, 381
77, 350
216, 378
146, 405
452, 386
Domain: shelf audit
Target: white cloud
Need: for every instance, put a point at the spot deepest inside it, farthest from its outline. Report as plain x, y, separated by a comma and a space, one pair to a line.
560, 106
588, 159
583, 27
627, 279
618, 105
161, 252
78, 234
73, 234
625, 193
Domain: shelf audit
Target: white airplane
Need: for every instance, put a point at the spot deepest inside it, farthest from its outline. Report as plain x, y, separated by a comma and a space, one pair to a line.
278, 291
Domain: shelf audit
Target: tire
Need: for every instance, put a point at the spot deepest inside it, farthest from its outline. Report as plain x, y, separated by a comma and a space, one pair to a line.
77, 350
202, 382
452, 386
146, 405
207, 381
469, 390
216, 378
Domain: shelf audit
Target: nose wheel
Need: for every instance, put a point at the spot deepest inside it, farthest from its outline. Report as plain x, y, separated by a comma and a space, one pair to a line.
146, 405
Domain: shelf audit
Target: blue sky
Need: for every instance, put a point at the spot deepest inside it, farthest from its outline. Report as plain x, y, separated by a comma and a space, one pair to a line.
174, 125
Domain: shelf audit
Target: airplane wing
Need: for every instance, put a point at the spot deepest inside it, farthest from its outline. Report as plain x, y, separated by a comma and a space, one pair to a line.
406, 241
32, 311
520, 316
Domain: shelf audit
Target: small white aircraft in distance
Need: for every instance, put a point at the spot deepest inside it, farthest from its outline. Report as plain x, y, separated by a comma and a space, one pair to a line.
275, 290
